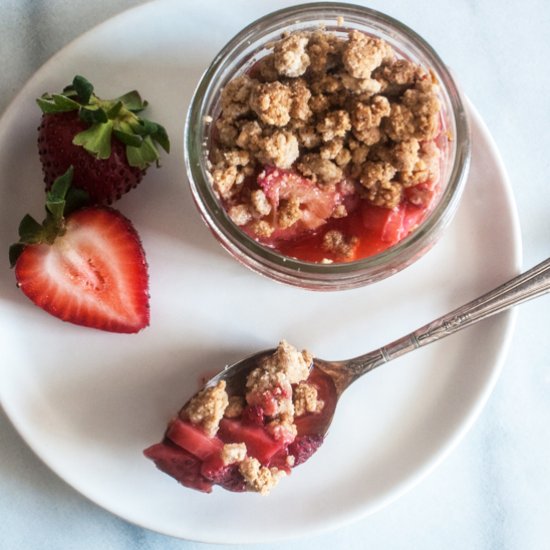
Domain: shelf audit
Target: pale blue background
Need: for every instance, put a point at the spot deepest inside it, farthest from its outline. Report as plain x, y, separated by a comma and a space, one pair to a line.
493, 492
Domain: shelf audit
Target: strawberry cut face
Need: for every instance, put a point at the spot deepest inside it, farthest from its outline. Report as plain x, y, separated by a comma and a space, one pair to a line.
94, 275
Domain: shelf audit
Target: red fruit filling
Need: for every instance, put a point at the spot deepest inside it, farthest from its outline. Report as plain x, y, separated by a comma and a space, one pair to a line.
193, 439
303, 447
253, 415
178, 463
258, 442
227, 476
316, 204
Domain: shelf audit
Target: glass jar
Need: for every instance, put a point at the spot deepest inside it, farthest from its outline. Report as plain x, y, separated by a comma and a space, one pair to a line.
237, 58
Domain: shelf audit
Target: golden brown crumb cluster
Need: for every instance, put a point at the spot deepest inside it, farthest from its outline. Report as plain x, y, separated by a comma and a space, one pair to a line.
331, 107
260, 478
207, 407
306, 399
233, 453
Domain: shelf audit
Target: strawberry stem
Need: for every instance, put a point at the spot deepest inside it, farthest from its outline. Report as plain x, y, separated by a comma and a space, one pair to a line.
61, 200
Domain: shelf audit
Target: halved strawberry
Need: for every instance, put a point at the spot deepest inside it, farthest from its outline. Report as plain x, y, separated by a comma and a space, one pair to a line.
179, 464
193, 439
85, 266
259, 443
109, 145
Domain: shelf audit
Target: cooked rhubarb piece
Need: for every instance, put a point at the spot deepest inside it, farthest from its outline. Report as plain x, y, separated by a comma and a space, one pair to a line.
178, 463
259, 443
193, 439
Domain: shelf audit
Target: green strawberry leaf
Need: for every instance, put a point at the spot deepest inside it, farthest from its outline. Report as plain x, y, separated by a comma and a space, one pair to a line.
56, 200
30, 231
132, 101
56, 103
156, 131
161, 137
76, 198
127, 138
145, 127
60, 186
64, 103
56, 208
61, 200
47, 106
83, 88
14, 253
141, 157
96, 139
115, 109
93, 115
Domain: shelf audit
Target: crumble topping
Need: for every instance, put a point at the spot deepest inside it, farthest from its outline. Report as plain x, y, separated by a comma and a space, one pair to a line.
270, 384
305, 399
207, 407
275, 386
290, 57
233, 453
330, 108
336, 242
293, 364
259, 478
272, 102
279, 149
364, 53
378, 183
235, 407
240, 214
283, 428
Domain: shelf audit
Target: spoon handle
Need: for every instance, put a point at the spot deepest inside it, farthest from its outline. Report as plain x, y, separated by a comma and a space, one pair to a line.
528, 285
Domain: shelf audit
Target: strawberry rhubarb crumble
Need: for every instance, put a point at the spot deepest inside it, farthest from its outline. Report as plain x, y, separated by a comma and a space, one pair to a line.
328, 149
249, 442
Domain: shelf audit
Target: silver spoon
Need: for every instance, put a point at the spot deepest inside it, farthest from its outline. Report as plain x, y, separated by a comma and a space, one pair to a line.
531, 284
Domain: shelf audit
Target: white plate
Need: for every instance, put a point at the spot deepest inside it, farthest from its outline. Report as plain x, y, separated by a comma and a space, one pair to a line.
88, 402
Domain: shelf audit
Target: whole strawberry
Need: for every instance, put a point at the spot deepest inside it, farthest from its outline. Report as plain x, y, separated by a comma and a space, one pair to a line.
84, 265
105, 140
